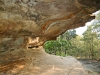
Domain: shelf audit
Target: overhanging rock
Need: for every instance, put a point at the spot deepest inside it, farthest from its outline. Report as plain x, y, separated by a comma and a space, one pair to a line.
32, 22
43, 18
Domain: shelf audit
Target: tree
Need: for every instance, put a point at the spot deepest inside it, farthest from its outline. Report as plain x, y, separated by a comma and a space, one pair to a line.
89, 39
62, 45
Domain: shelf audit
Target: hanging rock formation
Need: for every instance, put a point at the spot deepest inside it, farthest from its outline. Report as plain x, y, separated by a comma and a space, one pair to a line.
45, 19
29, 23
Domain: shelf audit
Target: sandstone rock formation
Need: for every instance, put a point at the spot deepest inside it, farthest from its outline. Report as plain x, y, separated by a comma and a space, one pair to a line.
29, 23
45, 19
37, 62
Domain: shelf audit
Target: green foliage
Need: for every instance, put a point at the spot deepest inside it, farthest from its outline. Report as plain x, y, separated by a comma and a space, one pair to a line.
86, 47
90, 42
69, 43
61, 45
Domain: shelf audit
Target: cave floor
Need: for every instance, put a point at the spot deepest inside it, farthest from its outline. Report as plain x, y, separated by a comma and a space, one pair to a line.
38, 62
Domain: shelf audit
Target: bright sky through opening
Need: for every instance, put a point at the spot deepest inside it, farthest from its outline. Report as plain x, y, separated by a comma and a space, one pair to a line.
81, 30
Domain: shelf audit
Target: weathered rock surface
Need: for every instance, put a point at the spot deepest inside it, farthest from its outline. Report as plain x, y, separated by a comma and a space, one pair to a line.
45, 19
29, 23
37, 62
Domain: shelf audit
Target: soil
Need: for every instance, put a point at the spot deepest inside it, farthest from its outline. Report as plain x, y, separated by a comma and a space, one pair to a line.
91, 66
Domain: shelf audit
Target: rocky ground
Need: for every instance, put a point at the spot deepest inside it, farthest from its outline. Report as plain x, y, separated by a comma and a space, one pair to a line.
91, 66
37, 62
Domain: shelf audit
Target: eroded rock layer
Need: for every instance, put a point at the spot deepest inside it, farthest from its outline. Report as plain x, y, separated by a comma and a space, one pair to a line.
45, 19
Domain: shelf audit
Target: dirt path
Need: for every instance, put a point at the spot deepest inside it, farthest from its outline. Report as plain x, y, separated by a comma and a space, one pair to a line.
91, 66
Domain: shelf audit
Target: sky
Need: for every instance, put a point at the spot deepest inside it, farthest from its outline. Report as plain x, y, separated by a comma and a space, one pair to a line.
81, 30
